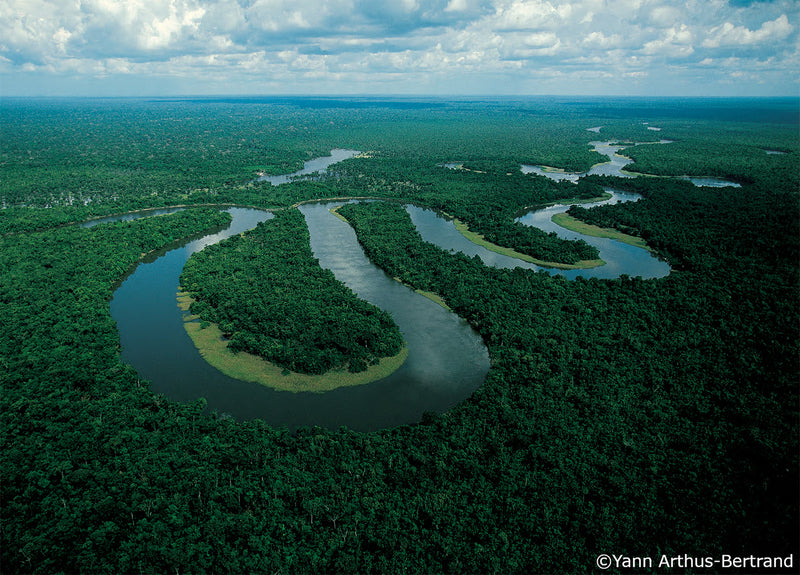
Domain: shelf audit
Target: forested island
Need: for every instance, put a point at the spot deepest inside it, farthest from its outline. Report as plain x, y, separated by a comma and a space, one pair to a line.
626, 416
269, 297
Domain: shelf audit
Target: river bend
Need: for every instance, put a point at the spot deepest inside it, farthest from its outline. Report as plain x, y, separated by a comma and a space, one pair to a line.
447, 360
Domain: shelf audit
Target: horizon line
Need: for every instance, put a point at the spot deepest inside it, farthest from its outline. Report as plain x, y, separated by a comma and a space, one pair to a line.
430, 96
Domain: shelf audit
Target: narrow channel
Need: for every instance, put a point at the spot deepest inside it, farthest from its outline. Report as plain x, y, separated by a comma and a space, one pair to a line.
315, 166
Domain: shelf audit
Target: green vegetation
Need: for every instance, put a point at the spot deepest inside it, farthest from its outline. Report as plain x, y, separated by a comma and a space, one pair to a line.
213, 347
576, 225
485, 201
161, 153
627, 416
736, 153
269, 297
481, 241
668, 378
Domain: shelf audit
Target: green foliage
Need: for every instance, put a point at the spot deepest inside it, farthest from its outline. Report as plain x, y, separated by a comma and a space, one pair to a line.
486, 201
669, 382
132, 154
683, 221
55, 289
266, 288
726, 158
93, 159
628, 416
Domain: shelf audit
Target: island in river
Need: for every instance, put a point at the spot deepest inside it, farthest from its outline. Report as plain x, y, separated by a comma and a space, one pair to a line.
287, 322
622, 414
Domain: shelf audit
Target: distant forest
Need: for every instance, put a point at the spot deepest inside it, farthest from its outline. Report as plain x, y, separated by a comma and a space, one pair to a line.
628, 417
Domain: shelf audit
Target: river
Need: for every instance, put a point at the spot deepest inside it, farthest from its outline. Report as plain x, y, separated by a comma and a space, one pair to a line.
620, 258
614, 167
611, 168
315, 166
447, 360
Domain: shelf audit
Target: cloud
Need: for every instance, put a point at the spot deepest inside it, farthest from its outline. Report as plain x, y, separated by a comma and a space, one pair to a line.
506, 45
729, 35
665, 15
601, 41
675, 42
529, 14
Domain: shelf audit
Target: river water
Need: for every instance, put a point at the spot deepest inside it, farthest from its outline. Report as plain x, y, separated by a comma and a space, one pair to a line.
315, 166
614, 167
130, 216
611, 168
620, 258
447, 360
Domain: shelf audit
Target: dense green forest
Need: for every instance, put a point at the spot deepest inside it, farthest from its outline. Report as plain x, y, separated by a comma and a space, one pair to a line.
271, 298
630, 417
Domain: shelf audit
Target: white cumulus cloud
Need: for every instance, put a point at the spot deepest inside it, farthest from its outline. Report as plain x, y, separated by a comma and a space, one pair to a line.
403, 45
729, 35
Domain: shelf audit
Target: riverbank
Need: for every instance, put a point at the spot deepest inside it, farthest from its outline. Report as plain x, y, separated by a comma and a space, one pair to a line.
209, 341
573, 224
478, 239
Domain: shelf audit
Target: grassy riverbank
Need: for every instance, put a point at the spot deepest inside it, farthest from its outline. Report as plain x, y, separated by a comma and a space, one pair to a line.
575, 225
248, 367
481, 241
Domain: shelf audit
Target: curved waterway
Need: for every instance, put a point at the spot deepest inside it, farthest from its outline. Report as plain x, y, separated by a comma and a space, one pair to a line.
614, 167
620, 258
315, 166
447, 360
130, 216
611, 168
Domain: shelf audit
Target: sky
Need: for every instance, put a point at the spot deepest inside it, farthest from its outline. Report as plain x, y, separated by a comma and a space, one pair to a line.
400, 47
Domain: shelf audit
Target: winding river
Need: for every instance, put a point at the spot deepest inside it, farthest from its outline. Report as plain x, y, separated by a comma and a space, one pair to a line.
615, 167
620, 258
315, 166
611, 168
447, 360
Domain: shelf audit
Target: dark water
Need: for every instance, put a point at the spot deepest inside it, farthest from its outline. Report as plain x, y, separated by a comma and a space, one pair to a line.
447, 359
